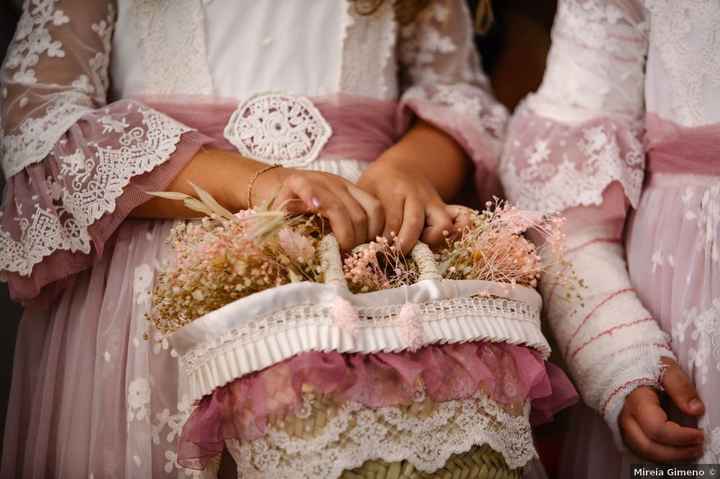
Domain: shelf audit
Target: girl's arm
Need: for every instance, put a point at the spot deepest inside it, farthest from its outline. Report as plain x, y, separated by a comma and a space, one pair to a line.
457, 126
231, 179
575, 147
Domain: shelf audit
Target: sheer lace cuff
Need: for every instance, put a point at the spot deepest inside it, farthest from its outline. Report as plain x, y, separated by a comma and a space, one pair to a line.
58, 213
552, 166
469, 114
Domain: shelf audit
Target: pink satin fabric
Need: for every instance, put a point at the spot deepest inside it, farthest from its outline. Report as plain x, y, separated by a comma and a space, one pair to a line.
673, 148
243, 409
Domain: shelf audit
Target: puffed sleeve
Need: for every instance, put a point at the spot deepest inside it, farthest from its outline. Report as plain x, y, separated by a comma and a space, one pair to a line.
76, 165
443, 83
576, 147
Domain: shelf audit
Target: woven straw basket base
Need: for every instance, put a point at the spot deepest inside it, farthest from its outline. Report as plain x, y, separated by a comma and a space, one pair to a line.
481, 462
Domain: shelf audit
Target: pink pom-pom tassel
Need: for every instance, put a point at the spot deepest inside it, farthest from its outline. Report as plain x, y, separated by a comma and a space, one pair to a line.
411, 327
346, 316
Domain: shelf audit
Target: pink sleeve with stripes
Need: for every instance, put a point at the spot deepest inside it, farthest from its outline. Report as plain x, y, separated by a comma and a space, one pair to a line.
610, 342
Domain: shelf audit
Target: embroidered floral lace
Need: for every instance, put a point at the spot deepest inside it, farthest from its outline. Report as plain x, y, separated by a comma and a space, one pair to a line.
325, 439
67, 154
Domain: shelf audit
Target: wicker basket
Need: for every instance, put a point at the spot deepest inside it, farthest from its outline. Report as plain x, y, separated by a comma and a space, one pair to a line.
479, 463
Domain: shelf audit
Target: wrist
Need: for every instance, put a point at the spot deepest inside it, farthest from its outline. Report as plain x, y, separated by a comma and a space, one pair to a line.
265, 185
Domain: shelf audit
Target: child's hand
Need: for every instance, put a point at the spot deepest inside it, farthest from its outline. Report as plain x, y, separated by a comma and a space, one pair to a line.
355, 216
413, 208
645, 425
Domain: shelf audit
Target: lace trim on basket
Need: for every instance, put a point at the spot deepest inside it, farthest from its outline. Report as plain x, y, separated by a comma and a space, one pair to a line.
89, 183
424, 434
253, 344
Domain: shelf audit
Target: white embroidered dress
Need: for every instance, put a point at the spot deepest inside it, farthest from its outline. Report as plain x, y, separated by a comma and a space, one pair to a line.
81, 144
621, 72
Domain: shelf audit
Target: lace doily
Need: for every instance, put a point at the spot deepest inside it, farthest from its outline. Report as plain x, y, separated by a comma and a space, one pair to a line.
424, 434
283, 129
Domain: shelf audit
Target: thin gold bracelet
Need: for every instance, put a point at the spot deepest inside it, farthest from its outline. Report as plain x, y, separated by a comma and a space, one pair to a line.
254, 178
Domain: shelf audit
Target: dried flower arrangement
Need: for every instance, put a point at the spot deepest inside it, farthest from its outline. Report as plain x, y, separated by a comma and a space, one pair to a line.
225, 257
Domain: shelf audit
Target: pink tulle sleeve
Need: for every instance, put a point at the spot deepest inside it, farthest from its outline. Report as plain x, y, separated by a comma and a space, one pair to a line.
75, 164
576, 147
443, 83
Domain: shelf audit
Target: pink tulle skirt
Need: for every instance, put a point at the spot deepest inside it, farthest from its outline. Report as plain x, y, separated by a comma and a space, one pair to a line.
509, 375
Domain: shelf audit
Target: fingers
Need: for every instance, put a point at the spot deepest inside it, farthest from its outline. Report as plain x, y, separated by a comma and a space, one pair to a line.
439, 224
413, 223
393, 206
654, 422
317, 198
356, 212
682, 392
373, 209
296, 196
461, 216
641, 444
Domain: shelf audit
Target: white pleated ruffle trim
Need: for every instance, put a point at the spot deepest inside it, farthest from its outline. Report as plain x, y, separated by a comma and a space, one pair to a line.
256, 332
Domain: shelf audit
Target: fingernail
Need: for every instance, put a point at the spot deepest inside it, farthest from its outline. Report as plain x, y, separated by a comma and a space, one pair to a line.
696, 404
315, 202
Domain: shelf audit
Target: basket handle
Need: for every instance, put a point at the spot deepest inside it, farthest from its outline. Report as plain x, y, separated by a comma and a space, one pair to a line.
425, 261
332, 264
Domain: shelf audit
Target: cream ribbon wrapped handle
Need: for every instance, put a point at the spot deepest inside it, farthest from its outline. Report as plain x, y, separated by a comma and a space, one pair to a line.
331, 262
425, 261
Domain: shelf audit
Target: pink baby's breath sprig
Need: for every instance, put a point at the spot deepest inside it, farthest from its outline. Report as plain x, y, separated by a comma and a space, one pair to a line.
494, 247
379, 265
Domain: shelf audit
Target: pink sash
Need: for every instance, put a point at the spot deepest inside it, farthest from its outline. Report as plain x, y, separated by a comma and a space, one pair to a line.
672, 148
363, 128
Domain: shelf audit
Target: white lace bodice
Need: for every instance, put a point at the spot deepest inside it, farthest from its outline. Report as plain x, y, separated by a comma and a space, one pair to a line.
237, 49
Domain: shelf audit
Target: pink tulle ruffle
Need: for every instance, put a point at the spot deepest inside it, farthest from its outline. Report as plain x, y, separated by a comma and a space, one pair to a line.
244, 408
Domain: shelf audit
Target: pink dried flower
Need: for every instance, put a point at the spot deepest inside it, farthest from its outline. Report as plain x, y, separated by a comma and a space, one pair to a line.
296, 246
222, 258
378, 265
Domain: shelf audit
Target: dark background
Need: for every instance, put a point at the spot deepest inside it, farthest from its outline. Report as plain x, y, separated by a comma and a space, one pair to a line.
514, 54
9, 311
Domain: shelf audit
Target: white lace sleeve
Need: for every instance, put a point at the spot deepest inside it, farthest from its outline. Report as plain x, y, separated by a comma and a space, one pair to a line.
444, 84
581, 131
76, 165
